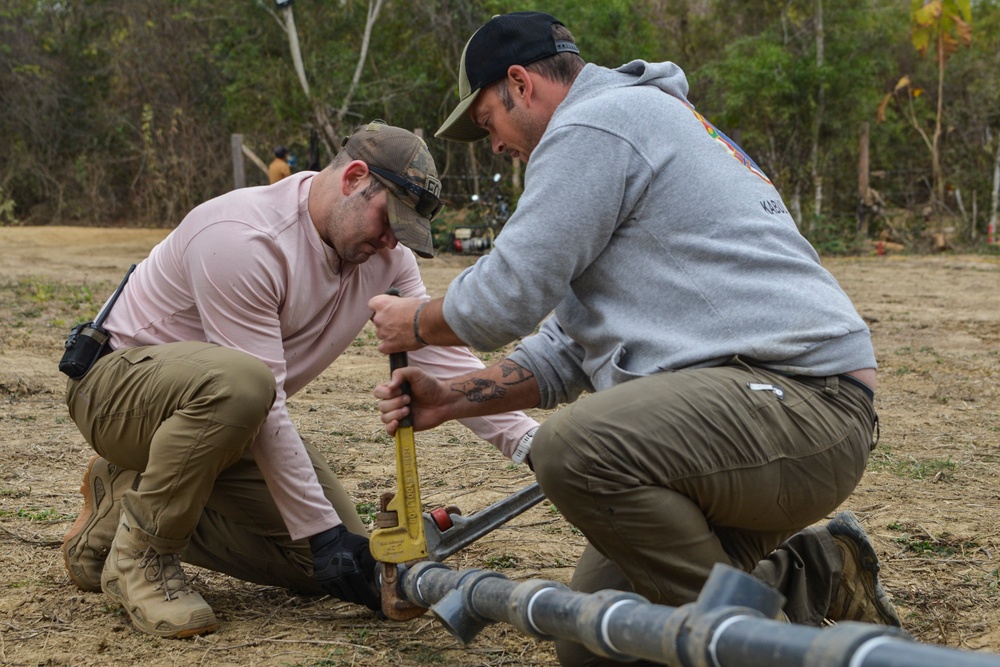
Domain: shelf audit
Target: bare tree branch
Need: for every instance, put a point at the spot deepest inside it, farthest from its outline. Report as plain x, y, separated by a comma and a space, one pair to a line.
329, 130
293, 44
374, 7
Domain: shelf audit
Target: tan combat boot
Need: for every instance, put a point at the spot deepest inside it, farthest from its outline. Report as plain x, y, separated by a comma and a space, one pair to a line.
86, 545
860, 596
149, 583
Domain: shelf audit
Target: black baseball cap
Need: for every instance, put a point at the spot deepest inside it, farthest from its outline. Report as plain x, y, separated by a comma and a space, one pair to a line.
520, 38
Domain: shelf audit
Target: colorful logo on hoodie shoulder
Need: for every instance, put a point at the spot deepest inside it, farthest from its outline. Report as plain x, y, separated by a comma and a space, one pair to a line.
730, 147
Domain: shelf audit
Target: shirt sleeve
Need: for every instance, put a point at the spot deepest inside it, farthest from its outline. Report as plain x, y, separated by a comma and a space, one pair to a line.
558, 230
556, 361
238, 281
504, 431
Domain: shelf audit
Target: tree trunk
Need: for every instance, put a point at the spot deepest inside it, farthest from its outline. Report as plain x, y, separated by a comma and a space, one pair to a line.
814, 160
474, 169
995, 197
374, 7
795, 209
863, 183
328, 132
293, 44
330, 129
239, 170
936, 170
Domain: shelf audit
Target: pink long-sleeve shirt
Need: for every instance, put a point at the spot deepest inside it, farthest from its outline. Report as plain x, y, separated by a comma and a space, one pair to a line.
248, 270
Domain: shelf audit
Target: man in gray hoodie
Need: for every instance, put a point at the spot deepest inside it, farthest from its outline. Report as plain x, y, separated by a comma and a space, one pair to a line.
729, 379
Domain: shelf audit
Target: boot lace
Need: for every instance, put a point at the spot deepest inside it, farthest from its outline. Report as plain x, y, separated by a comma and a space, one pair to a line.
165, 572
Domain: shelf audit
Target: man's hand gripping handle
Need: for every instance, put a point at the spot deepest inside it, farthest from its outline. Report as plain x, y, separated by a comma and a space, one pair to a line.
399, 537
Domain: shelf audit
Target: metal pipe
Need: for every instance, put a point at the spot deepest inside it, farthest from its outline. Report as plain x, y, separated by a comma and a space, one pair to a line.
730, 625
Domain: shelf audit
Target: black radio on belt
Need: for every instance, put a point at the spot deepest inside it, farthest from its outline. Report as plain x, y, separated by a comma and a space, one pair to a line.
88, 341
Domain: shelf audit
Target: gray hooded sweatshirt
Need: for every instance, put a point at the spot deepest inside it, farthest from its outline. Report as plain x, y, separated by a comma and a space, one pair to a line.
657, 245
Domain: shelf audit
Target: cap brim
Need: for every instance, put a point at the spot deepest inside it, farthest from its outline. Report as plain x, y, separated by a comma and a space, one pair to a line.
459, 126
409, 227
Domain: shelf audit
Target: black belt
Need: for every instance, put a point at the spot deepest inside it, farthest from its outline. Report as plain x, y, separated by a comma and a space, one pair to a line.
850, 379
844, 377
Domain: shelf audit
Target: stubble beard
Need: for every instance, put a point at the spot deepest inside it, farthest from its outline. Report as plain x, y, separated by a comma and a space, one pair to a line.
345, 223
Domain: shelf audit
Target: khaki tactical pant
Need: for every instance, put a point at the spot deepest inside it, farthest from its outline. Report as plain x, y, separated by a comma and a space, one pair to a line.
185, 415
669, 474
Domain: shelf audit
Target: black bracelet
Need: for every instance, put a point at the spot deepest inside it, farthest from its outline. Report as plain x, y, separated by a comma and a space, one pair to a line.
416, 324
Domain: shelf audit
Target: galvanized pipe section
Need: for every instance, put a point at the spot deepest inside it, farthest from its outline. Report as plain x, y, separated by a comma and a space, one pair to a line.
750, 644
729, 626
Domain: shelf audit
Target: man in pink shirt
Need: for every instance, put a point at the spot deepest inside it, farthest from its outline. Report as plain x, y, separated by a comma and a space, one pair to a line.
249, 299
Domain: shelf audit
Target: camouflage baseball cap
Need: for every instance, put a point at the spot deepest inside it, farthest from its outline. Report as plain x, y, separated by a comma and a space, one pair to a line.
400, 161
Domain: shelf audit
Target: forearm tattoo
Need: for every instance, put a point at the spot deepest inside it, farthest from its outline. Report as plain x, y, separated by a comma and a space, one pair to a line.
514, 373
479, 390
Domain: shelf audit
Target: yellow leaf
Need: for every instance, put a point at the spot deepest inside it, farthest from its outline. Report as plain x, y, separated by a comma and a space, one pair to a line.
903, 82
928, 14
921, 41
917, 92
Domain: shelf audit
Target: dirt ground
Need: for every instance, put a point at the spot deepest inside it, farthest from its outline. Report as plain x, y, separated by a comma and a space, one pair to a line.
929, 500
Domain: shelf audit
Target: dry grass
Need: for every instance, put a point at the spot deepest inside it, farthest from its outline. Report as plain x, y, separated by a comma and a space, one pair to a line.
929, 500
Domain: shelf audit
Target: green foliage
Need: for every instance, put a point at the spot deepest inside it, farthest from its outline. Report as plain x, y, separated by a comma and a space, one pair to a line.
64, 297
917, 541
938, 26
834, 236
608, 32
947, 22
45, 514
910, 468
7, 206
367, 512
764, 91
504, 561
122, 112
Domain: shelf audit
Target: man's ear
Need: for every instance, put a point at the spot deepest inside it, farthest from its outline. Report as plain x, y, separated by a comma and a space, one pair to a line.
354, 175
519, 82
